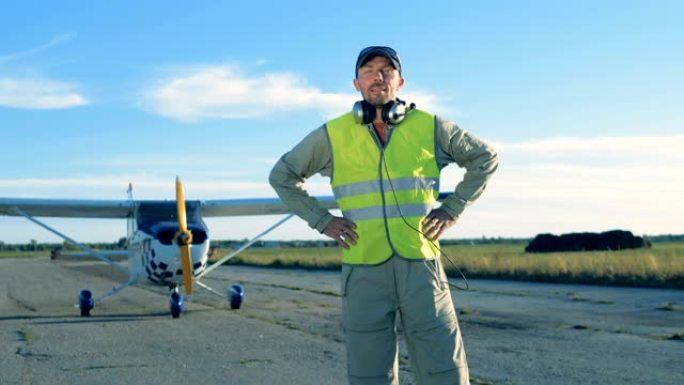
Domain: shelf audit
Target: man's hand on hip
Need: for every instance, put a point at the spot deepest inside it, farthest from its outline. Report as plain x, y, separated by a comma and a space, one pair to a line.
342, 231
436, 223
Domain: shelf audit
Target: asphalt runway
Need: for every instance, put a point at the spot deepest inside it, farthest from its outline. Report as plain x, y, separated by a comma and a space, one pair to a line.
288, 331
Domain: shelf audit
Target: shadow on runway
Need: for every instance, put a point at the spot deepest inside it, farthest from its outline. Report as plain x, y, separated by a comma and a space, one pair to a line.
75, 319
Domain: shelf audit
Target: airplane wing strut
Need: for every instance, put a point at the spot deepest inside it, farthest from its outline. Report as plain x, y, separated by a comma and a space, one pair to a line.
208, 288
246, 245
116, 289
83, 247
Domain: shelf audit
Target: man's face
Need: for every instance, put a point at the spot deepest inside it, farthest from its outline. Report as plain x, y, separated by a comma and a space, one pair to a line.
378, 81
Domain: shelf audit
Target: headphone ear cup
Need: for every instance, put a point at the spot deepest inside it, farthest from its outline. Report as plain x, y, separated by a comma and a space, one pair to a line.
387, 111
394, 112
363, 112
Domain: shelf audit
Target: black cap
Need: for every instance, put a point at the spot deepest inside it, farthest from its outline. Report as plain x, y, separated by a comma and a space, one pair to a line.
370, 52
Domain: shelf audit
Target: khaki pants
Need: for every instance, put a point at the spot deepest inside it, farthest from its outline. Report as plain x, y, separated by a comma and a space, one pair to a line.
416, 292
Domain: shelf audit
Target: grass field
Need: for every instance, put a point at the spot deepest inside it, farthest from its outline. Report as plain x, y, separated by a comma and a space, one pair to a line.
23, 254
660, 266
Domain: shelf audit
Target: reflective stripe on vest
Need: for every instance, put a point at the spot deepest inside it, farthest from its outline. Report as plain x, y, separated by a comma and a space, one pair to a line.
373, 186
377, 212
385, 210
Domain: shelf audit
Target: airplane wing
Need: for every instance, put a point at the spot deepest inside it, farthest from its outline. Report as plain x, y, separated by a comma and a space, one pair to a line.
84, 208
262, 206
259, 206
66, 208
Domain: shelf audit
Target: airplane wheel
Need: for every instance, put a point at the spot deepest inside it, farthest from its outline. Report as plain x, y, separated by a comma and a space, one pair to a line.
176, 303
85, 302
235, 295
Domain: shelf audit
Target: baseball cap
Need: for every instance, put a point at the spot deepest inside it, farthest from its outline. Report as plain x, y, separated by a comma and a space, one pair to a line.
370, 52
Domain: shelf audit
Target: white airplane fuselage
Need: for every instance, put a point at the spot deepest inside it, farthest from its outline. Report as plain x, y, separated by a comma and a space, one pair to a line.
161, 263
152, 248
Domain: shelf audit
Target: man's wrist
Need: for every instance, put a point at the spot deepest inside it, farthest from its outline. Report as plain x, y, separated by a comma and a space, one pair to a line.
323, 222
453, 206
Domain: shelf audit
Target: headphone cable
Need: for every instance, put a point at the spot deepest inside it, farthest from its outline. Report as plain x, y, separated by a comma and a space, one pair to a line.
383, 160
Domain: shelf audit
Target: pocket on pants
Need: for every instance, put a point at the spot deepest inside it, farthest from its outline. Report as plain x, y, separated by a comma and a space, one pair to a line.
440, 349
439, 280
346, 273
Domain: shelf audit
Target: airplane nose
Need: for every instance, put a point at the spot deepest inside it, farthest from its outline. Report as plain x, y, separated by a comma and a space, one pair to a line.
165, 233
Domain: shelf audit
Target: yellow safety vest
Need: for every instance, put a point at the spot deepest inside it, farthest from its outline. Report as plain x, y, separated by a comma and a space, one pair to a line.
386, 209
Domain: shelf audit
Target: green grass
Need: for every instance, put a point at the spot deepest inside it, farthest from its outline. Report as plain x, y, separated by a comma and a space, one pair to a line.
23, 254
314, 257
660, 266
676, 337
671, 306
25, 335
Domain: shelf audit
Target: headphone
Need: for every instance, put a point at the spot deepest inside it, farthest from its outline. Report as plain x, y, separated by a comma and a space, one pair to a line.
393, 111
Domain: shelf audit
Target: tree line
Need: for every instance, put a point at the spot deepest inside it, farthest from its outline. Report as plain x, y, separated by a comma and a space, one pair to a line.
34, 245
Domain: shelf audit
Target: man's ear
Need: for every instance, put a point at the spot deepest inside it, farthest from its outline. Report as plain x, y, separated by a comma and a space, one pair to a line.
401, 82
355, 82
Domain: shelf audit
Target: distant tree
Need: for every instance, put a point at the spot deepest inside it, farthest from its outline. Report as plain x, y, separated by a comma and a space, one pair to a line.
608, 240
121, 243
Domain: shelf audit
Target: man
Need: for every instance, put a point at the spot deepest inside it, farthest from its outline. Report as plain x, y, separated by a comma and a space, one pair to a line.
384, 160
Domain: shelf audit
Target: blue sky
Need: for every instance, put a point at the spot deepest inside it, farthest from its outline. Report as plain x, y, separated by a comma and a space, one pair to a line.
583, 100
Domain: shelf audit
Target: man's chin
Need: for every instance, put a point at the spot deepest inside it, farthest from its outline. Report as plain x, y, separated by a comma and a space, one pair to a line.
378, 102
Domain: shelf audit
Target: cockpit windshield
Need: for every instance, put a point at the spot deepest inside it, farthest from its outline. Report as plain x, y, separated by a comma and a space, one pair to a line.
151, 212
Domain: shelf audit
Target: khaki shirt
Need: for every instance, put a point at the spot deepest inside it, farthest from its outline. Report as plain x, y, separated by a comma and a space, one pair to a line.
313, 155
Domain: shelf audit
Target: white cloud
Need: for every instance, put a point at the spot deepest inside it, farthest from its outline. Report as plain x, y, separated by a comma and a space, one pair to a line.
225, 92
34, 92
39, 94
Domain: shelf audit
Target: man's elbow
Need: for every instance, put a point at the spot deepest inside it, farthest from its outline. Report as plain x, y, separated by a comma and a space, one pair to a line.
493, 160
273, 177
488, 160
278, 174
281, 177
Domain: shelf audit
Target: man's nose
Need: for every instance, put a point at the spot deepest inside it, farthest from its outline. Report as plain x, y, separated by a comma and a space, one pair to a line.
378, 77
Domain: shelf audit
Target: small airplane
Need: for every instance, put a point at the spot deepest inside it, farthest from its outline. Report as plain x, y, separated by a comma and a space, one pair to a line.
167, 241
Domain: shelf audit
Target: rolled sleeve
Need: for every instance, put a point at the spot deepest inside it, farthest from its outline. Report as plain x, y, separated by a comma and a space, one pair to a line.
478, 158
311, 156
